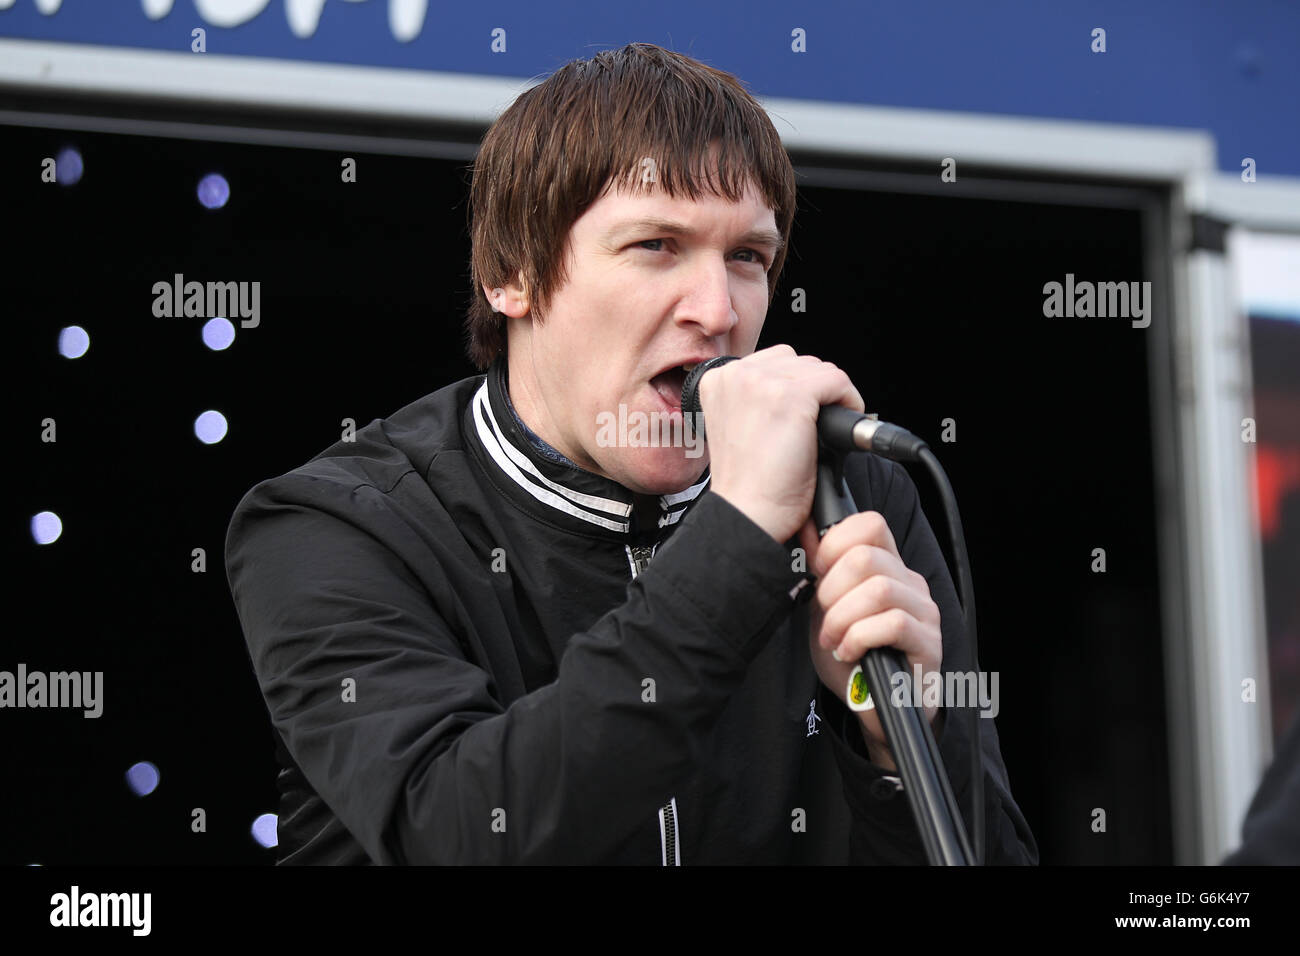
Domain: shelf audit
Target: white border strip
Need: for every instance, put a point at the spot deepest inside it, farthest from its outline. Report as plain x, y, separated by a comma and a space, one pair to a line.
1226, 638
1271, 203
845, 129
256, 81
1009, 142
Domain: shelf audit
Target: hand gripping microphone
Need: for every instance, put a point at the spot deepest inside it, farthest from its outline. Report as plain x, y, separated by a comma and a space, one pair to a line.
839, 429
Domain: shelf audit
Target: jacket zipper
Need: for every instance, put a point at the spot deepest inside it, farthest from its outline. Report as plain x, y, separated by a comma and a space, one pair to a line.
638, 558
672, 854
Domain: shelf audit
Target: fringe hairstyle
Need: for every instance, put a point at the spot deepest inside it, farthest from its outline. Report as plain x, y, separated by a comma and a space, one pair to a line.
561, 145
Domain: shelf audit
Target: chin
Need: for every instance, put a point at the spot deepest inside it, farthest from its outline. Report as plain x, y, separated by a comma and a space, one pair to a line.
660, 471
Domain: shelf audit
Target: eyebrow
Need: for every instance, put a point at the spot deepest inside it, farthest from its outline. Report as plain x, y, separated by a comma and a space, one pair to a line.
756, 237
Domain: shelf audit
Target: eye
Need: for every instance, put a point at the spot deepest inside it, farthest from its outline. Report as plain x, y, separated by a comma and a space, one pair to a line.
758, 257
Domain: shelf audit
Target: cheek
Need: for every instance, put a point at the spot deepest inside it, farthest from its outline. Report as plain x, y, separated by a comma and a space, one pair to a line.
745, 336
754, 302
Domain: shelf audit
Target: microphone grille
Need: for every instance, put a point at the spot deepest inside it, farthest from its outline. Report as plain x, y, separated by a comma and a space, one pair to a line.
691, 387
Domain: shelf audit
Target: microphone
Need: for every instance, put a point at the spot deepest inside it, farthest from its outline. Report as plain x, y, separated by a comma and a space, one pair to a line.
840, 429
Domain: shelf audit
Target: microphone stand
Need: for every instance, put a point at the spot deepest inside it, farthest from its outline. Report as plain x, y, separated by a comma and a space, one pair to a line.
934, 807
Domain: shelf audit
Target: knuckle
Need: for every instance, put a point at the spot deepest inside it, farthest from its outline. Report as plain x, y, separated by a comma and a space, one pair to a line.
897, 623
831, 622
873, 523
880, 589
860, 560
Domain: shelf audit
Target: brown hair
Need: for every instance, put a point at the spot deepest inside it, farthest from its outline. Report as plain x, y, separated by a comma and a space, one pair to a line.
560, 145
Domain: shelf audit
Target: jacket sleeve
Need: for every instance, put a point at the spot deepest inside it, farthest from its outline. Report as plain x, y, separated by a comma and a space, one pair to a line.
401, 733
883, 830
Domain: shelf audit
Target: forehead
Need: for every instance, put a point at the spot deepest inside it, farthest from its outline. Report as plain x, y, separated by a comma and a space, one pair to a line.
647, 207
649, 198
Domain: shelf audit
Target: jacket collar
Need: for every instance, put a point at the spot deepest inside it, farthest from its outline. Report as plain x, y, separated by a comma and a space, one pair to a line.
550, 486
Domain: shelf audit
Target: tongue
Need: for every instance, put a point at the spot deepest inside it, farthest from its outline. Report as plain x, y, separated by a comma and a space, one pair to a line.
669, 385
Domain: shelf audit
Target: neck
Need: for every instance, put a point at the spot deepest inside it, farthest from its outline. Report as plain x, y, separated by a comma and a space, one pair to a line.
525, 420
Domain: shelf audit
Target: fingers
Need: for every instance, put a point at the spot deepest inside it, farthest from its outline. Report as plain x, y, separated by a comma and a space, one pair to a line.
861, 565
840, 390
865, 527
825, 382
894, 628
878, 596
867, 597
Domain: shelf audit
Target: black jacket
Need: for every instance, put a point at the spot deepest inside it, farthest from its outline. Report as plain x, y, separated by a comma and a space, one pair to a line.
1270, 834
474, 652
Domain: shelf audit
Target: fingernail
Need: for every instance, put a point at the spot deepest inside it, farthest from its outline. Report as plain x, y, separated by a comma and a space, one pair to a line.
835, 653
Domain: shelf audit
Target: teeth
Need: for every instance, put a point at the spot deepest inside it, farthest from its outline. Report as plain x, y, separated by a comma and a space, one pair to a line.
689, 368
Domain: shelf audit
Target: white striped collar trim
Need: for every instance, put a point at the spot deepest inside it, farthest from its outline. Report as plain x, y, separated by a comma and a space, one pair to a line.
689, 494
525, 474
595, 509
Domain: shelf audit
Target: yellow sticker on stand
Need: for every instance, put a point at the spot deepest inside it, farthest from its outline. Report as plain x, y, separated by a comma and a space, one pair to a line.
858, 695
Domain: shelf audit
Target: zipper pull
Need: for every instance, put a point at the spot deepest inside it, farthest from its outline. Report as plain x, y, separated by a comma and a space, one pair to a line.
640, 558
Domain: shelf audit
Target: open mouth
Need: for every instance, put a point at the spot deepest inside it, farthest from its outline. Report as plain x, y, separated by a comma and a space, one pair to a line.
669, 382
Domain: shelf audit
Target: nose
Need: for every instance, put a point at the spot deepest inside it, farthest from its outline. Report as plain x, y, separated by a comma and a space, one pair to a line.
707, 303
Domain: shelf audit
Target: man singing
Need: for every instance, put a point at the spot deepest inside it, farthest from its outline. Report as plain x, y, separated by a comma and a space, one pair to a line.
486, 633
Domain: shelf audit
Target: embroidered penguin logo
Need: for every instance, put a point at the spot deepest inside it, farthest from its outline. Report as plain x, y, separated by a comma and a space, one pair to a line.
813, 718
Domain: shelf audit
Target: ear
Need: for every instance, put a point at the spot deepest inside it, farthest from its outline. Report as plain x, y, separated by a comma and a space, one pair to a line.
511, 300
